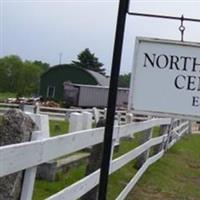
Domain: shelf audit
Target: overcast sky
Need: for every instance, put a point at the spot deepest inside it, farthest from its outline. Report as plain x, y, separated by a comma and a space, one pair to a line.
42, 29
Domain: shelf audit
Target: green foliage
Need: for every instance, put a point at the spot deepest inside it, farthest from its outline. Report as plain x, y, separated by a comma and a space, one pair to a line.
5, 95
87, 60
58, 127
10, 71
30, 77
43, 66
124, 80
20, 77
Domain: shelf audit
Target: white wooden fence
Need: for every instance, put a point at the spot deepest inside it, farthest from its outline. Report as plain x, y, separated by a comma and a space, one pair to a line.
63, 113
26, 156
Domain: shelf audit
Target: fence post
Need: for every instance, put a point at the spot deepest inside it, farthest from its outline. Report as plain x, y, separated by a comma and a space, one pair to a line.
94, 163
96, 115
189, 127
105, 113
116, 141
129, 119
16, 128
75, 122
170, 133
163, 130
146, 135
42, 122
87, 121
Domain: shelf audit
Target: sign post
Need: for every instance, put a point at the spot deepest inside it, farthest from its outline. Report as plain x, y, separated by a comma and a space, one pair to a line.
107, 145
166, 78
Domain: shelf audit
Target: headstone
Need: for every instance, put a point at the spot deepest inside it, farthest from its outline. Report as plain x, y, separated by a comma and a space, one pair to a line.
75, 122
87, 120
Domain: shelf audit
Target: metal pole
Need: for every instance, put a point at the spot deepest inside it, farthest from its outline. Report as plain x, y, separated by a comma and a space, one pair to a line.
163, 16
60, 58
107, 145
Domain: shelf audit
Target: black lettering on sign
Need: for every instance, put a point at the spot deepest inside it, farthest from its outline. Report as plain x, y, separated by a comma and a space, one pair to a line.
179, 82
151, 60
195, 101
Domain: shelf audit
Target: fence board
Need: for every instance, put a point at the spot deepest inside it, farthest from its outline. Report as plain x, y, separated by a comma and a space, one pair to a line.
137, 176
51, 148
77, 189
17, 157
180, 126
84, 185
129, 129
126, 158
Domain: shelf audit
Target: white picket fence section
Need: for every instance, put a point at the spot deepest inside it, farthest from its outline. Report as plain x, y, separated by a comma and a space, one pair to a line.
63, 113
26, 156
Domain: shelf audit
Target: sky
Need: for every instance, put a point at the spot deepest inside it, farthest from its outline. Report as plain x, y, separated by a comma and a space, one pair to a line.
50, 30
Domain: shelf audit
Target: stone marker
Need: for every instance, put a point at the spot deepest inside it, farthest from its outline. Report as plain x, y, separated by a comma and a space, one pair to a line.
16, 127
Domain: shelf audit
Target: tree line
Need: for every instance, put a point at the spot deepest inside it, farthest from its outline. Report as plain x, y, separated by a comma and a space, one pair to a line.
88, 60
23, 77
20, 77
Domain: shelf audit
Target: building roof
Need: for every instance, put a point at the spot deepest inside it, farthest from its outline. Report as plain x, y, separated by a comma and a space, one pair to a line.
97, 86
101, 79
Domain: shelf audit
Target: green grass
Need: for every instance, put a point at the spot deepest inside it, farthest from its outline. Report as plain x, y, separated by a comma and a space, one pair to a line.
175, 177
5, 95
43, 189
58, 127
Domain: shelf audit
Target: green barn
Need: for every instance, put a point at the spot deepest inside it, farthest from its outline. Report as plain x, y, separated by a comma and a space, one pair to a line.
51, 83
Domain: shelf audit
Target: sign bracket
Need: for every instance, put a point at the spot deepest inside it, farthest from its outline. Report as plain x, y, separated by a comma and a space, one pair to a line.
117, 52
182, 19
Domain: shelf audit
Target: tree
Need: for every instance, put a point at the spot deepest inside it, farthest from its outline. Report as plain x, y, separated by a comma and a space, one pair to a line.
29, 79
124, 80
10, 69
44, 66
20, 77
87, 60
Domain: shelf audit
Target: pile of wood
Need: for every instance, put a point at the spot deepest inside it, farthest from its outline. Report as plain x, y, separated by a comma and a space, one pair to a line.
49, 104
31, 101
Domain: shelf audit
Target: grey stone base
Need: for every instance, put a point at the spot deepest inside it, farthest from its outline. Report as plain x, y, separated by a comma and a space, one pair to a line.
47, 171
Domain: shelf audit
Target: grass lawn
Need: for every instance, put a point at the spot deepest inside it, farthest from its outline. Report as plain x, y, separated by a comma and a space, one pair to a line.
175, 177
43, 189
58, 127
5, 95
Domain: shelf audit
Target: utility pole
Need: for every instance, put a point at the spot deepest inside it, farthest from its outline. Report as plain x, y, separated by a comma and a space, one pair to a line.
60, 58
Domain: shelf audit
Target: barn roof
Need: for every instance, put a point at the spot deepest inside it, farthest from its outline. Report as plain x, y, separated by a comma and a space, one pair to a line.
102, 80
99, 78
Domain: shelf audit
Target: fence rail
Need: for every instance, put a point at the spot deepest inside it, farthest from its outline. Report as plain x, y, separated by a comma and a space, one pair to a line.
63, 113
28, 155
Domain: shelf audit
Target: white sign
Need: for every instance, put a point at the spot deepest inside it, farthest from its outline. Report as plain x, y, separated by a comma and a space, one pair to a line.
166, 78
